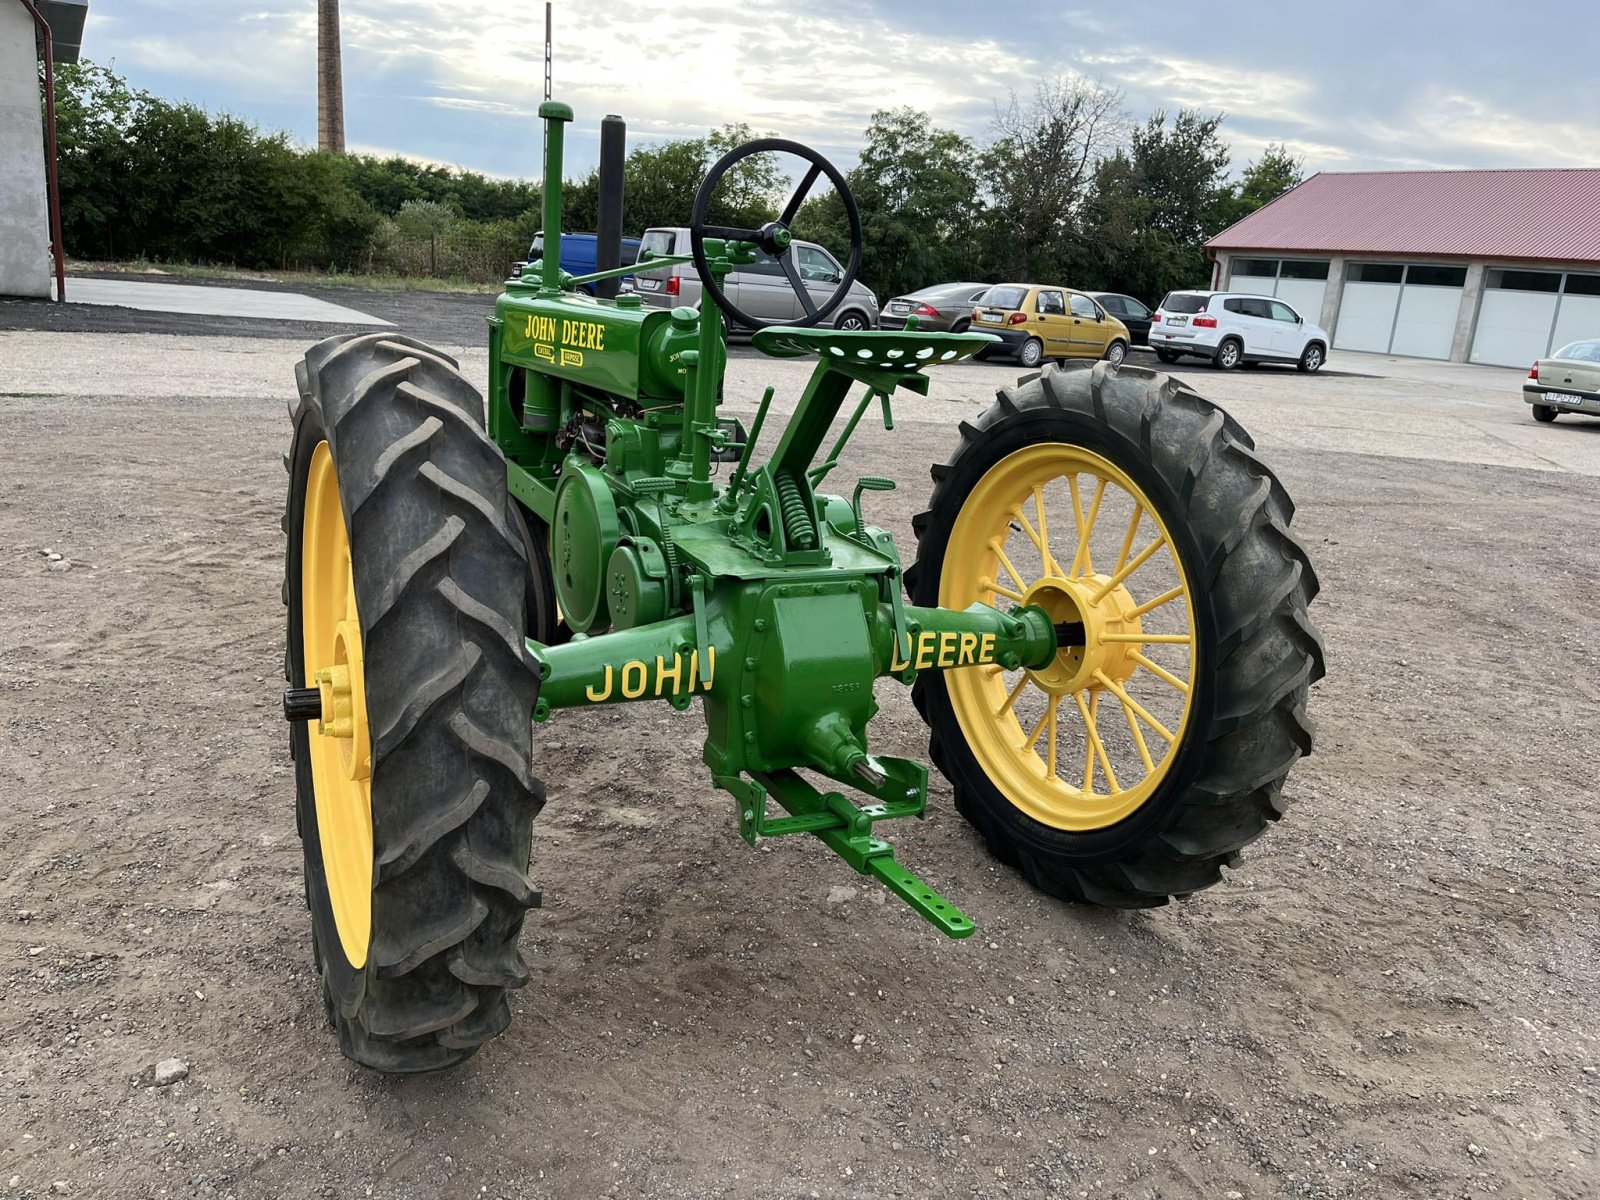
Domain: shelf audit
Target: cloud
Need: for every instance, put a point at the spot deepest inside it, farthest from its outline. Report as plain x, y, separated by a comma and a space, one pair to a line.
460, 80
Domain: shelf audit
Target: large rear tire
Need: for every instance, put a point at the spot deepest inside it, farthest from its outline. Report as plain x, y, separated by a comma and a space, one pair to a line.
406, 590
1173, 714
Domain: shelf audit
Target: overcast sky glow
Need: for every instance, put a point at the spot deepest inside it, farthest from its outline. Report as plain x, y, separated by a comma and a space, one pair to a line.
1349, 85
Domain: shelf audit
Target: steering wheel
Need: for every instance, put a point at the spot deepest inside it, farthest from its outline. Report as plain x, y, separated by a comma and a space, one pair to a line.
775, 237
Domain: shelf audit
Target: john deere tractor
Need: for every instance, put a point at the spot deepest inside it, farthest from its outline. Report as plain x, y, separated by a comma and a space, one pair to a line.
1104, 627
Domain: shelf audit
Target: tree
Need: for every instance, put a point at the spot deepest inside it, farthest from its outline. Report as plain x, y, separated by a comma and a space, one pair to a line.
1039, 166
1151, 209
1263, 181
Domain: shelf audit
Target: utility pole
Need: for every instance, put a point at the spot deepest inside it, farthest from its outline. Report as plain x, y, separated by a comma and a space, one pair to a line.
330, 79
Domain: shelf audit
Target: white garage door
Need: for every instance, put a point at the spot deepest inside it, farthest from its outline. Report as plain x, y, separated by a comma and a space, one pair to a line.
1366, 309
1400, 308
1528, 314
1299, 282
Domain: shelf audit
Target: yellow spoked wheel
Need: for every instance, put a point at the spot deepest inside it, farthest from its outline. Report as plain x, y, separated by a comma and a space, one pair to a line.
1082, 743
1134, 765
411, 702
340, 741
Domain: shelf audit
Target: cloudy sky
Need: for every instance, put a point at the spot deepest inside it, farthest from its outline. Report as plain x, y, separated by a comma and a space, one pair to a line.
1349, 84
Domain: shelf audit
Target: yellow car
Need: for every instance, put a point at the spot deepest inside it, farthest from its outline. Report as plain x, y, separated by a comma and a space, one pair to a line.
1037, 321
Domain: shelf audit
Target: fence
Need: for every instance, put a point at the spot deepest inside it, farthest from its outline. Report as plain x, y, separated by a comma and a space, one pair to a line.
481, 253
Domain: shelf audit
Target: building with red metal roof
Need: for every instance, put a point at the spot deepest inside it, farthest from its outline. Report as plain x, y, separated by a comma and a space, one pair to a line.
1474, 266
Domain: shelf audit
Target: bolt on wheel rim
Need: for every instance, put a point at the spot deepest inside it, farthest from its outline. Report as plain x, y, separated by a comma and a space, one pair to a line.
339, 743
1085, 741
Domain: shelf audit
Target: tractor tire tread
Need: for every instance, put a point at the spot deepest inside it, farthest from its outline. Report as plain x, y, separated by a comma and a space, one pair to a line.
1266, 655
439, 575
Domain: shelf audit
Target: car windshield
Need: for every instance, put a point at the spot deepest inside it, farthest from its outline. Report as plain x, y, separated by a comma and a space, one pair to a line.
1585, 351
1004, 296
656, 242
1185, 302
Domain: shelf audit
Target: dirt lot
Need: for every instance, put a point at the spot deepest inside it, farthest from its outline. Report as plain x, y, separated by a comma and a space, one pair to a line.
1393, 996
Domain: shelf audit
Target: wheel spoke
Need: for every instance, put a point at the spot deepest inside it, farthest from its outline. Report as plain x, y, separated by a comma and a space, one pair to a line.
801, 291
1152, 605
1012, 698
1154, 639
732, 233
1033, 536
1083, 560
1160, 672
1138, 738
1051, 566
800, 193
1094, 740
1005, 561
994, 585
1138, 709
1050, 761
1128, 568
1127, 541
1049, 718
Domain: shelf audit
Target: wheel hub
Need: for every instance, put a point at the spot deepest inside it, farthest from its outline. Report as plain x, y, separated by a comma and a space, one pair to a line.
1101, 610
342, 690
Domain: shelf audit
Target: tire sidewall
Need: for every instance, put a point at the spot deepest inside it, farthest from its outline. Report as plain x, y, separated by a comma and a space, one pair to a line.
345, 983
1311, 359
1012, 433
1117, 353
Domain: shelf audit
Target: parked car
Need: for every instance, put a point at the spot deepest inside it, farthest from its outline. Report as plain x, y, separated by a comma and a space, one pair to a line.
1231, 328
1038, 321
1566, 382
578, 255
942, 308
759, 288
1135, 314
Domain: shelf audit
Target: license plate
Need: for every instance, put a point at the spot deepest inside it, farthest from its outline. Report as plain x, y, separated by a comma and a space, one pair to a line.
1563, 397
648, 285
1177, 320
899, 309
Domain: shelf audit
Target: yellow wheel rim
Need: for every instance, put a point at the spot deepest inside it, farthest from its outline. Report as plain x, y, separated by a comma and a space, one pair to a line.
1085, 741
341, 747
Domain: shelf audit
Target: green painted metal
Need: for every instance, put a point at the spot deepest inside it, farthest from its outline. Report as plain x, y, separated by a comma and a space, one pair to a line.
774, 606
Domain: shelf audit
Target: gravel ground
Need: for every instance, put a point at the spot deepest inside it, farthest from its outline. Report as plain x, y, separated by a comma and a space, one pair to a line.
1393, 995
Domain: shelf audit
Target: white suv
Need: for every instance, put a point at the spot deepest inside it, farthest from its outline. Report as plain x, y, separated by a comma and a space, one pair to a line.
1231, 328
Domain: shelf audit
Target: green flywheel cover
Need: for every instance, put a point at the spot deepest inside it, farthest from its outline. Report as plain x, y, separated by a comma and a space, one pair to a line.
584, 533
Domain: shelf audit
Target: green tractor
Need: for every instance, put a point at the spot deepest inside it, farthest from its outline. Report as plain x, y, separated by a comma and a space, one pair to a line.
1105, 626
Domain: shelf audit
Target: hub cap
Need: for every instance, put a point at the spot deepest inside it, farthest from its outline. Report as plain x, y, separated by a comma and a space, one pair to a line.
1081, 743
340, 742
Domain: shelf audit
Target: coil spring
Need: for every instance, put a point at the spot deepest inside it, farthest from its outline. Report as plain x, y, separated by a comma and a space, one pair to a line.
797, 530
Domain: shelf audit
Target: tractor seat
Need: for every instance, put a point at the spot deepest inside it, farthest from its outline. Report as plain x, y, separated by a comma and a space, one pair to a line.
871, 350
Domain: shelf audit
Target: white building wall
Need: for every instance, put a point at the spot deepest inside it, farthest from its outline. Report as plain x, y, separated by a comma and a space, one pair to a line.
24, 208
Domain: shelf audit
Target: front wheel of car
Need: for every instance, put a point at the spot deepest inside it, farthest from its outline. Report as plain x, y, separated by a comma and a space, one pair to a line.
961, 327
1229, 355
1116, 352
852, 322
1311, 358
1031, 354
1543, 412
